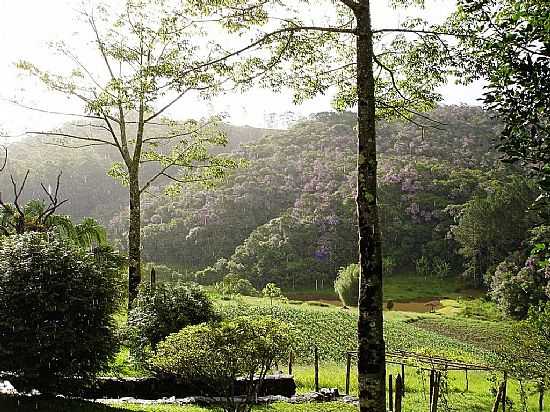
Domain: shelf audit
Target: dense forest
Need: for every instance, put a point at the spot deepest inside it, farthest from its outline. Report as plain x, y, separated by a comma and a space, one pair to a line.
288, 215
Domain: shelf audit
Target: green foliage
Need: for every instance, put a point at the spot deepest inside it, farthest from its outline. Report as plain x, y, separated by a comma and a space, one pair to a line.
36, 216
483, 227
162, 309
423, 267
305, 172
234, 285
272, 291
530, 340
440, 267
512, 54
334, 331
389, 264
346, 285
219, 354
520, 283
56, 308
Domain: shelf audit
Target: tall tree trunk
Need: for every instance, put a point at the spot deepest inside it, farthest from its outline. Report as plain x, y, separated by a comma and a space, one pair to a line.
371, 347
134, 238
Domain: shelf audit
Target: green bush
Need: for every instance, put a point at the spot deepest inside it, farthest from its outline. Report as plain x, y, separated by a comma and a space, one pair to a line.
346, 284
388, 265
235, 285
164, 309
56, 309
423, 267
516, 287
219, 354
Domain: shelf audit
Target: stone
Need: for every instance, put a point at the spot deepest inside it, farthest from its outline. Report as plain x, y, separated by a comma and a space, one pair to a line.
6, 388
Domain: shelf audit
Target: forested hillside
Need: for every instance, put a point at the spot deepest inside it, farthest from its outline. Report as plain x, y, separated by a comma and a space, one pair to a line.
84, 182
289, 215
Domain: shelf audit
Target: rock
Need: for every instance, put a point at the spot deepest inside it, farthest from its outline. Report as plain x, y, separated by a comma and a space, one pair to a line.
350, 399
264, 400
6, 388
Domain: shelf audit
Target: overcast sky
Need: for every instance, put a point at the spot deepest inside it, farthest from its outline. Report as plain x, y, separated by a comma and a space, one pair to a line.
27, 25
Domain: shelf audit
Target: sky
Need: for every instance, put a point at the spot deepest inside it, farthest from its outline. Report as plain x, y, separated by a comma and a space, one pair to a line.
26, 26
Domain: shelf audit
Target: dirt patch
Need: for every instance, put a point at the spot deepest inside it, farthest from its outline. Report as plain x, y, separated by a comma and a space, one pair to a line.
421, 305
314, 296
418, 307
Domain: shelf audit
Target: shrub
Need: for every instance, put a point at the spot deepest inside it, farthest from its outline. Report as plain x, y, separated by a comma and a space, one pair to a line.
219, 354
526, 351
212, 274
56, 309
423, 267
346, 284
388, 265
440, 267
516, 287
163, 273
164, 309
235, 285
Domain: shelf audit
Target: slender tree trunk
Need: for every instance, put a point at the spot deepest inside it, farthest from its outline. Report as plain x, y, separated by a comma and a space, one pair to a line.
371, 346
134, 238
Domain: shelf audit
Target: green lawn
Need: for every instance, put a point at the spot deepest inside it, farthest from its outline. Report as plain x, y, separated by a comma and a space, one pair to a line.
400, 288
405, 288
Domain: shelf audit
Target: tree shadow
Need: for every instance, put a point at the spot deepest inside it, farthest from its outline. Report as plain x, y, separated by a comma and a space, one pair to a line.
36, 403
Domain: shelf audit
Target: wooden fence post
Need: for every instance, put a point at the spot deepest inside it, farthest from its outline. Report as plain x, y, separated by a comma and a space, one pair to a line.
435, 395
348, 371
290, 356
467, 383
505, 384
398, 393
403, 377
432, 378
316, 354
498, 398
390, 393
153, 278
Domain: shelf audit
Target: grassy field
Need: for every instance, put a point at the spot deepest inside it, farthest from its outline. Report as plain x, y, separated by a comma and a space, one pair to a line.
479, 397
399, 288
333, 331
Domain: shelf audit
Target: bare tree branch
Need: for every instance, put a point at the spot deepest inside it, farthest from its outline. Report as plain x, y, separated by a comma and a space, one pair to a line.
71, 136
37, 109
54, 201
420, 31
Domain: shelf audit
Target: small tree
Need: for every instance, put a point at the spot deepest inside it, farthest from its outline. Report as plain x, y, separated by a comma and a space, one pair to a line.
346, 284
233, 284
440, 267
224, 355
149, 56
164, 309
56, 309
272, 291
